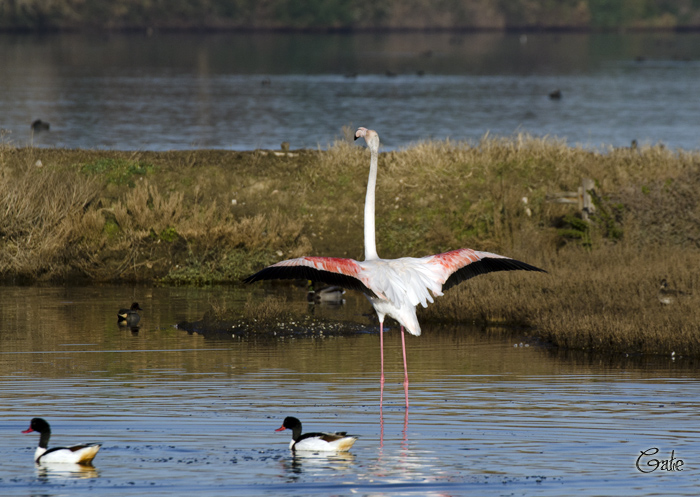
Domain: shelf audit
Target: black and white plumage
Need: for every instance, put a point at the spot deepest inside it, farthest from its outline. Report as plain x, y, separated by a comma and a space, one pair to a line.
76, 454
316, 442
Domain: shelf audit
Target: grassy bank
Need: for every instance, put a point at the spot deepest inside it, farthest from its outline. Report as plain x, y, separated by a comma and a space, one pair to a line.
361, 14
205, 216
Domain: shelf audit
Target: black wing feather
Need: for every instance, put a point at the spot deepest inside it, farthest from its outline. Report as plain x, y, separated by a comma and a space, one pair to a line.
487, 265
73, 448
309, 273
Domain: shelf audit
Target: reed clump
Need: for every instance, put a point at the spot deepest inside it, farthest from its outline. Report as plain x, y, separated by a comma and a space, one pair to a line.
269, 309
42, 215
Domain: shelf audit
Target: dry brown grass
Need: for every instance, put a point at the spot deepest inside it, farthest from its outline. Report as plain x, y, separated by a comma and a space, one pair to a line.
128, 222
42, 214
207, 233
604, 300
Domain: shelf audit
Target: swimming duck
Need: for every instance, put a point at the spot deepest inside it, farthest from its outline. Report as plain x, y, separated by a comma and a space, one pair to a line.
315, 442
77, 454
129, 316
329, 294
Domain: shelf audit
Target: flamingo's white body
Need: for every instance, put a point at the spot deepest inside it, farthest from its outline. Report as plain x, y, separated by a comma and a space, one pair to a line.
394, 286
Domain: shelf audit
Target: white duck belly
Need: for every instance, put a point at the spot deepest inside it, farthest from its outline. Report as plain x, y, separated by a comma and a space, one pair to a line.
79, 454
318, 444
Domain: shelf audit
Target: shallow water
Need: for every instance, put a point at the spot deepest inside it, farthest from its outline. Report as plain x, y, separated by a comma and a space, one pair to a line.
243, 91
179, 413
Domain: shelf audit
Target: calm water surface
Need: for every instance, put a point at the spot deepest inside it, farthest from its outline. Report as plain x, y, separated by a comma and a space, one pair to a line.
179, 413
247, 91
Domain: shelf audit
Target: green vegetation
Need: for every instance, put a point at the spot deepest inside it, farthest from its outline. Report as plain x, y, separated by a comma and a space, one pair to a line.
360, 14
117, 170
202, 217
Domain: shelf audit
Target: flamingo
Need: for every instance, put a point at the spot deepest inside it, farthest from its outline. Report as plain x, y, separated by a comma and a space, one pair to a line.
394, 287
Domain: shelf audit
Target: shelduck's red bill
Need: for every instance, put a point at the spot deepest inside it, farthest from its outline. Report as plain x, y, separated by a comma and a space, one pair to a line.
281, 428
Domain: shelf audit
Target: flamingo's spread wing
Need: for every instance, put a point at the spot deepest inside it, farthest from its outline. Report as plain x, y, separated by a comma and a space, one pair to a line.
330, 270
460, 265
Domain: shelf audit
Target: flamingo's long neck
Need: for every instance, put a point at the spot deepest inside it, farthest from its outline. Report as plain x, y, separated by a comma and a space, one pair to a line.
370, 242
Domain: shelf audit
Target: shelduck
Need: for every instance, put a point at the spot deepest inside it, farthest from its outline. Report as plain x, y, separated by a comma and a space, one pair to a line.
77, 454
316, 442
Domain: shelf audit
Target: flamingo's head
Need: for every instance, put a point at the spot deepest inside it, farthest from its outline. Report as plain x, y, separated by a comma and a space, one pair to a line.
371, 137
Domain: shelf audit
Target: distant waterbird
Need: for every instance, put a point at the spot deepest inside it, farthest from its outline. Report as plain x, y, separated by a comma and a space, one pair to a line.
667, 295
328, 294
39, 125
394, 287
555, 94
129, 317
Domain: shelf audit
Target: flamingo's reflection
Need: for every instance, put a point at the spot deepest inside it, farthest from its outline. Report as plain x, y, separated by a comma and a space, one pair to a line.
404, 443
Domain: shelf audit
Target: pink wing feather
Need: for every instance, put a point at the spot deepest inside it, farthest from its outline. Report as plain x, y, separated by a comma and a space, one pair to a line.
461, 264
330, 270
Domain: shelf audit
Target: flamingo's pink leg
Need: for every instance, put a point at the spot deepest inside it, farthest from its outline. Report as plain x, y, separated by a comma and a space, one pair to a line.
381, 379
405, 366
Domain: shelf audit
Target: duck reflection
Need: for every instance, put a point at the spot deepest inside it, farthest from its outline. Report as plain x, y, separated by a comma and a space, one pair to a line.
315, 462
52, 473
133, 329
